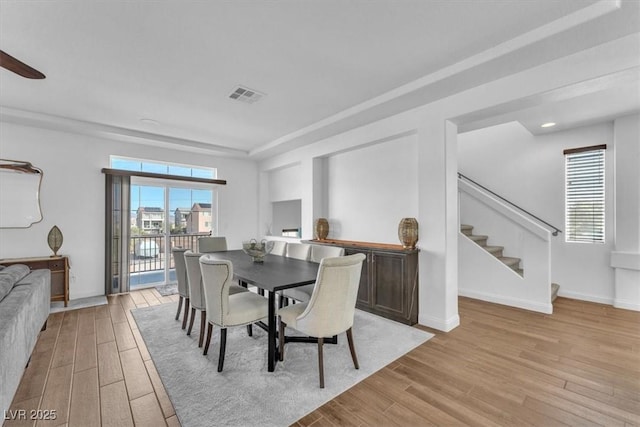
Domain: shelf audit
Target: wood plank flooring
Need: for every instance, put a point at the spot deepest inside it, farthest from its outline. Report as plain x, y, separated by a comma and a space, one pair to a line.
501, 367
91, 366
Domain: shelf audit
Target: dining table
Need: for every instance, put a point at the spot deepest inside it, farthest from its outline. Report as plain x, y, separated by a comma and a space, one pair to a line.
274, 274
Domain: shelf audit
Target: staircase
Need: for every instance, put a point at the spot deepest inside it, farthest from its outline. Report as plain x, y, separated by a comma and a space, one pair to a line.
497, 251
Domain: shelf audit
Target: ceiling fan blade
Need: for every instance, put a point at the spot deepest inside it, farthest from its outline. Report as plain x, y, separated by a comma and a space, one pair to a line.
12, 64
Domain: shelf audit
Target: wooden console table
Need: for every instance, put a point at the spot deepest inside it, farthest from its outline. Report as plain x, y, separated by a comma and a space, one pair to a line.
389, 280
59, 267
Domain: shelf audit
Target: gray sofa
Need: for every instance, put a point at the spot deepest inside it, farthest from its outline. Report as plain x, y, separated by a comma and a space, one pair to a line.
24, 308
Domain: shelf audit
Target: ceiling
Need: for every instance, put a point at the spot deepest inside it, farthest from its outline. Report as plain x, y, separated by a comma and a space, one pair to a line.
163, 71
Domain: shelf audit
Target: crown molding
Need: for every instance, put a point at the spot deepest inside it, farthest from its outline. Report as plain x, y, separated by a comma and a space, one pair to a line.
63, 124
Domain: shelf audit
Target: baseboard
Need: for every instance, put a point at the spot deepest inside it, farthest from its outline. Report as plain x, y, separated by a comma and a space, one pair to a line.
626, 304
74, 304
437, 323
511, 302
584, 297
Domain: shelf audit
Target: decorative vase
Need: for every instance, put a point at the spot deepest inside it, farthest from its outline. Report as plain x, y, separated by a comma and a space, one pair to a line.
321, 228
54, 239
408, 232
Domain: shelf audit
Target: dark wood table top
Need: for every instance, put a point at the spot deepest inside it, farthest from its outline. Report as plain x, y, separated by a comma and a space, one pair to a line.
274, 274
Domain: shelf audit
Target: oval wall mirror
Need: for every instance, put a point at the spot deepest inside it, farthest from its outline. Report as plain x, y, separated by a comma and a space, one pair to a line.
19, 194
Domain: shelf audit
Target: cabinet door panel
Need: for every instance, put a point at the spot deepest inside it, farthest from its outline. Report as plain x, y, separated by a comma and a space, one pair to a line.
388, 283
57, 283
364, 291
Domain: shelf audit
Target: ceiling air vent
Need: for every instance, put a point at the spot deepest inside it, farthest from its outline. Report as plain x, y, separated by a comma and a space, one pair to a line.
246, 95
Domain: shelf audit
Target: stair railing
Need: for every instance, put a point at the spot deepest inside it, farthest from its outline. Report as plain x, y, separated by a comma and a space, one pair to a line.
555, 229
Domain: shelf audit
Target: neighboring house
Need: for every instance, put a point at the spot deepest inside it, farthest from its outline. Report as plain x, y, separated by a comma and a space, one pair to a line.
150, 220
181, 217
200, 218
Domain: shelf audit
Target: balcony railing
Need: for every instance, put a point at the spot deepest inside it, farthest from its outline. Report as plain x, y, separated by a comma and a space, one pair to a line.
147, 252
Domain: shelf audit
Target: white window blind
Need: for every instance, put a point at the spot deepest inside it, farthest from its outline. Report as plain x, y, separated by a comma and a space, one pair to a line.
584, 194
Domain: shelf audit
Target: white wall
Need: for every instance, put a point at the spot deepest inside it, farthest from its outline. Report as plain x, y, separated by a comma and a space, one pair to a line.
284, 191
528, 170
284, 184
626, 257
371, 189
73, 193
436, 133
286, 215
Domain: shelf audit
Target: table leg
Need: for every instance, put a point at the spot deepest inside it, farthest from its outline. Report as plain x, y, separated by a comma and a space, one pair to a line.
272, 332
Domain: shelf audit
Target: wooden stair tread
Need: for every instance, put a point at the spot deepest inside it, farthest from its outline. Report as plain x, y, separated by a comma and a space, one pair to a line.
496, 251
493, 249
510, 261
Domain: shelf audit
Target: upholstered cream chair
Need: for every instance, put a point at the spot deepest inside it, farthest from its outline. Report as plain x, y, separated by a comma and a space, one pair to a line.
279, 248
298, 251
212, 244
331, 308
183, 287
196, 291
318, 252
226, 310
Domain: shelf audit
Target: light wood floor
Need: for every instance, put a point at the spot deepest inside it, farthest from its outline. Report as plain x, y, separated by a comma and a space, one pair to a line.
502, 366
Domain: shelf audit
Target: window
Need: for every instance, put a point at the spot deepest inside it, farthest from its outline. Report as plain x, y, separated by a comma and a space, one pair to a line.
165, 213
165, 168
584, 194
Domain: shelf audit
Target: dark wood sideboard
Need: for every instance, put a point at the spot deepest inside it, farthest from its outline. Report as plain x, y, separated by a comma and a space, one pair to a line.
389, 281
59, 266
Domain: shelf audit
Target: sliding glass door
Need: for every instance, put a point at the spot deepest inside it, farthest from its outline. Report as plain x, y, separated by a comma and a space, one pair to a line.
163, 216
157, 207
147, 237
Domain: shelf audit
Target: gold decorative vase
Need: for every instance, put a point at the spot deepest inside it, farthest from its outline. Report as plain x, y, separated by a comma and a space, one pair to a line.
408, 232
321, 228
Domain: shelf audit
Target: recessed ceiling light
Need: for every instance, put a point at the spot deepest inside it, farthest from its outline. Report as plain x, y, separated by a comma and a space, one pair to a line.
547, 125
149, 122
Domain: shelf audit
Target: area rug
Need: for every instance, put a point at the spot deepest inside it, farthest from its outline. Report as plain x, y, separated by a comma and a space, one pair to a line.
245, 393
166, 290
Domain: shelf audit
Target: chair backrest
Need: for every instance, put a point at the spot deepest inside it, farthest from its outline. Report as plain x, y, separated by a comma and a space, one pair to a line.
194, 276
212, 244
298, 251
332, 305
279, 248
323, 251
217, 276
181, 271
